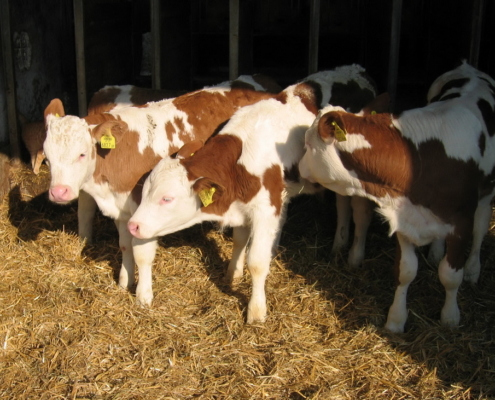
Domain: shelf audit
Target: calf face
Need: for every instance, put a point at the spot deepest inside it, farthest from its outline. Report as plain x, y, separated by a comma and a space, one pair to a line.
72, 162
169, 202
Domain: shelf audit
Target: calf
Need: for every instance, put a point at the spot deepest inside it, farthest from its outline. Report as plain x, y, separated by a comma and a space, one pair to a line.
245, 176
138, 137
430, 170
33, 135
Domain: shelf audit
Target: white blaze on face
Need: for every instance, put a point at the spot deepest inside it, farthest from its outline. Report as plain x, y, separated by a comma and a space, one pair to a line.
168, 204
69, 150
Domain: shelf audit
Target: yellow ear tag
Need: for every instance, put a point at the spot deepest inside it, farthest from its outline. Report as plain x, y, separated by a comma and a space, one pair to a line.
107, 140
56, 114
373, 112
340, 134
206, 196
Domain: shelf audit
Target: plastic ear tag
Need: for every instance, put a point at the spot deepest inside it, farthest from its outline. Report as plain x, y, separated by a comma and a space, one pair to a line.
373, 112
340, 134
206, 196
107, 140
56, 114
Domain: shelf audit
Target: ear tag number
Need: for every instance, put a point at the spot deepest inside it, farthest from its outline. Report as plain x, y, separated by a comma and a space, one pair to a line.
340, 134
107, 140
206, 196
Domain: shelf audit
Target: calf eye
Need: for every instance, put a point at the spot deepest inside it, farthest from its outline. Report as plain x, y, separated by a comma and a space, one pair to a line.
165, 200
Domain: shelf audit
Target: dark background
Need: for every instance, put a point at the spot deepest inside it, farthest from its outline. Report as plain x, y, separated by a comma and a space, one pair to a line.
435, 37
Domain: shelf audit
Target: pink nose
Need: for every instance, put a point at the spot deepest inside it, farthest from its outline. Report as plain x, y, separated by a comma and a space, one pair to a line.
61, 194
133, 228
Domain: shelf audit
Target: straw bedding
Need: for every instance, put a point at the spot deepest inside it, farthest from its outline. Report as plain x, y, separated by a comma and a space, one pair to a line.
68, 332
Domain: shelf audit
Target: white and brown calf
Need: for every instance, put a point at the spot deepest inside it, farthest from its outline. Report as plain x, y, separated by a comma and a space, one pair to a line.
243, 177
430, 170
113, 176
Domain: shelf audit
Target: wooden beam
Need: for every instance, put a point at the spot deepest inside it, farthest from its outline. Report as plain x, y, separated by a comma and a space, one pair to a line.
156, 66
476, 25
314, 35
80, 57
8, 64
393, 62
233, 39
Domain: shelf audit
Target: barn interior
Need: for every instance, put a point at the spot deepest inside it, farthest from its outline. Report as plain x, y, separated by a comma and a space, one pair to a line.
68, 331
70, 49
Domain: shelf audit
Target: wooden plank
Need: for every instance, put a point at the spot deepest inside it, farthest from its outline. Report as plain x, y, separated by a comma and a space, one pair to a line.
393, 62
156, 66
80, 57
8, 64
233, 39
476, 25
314, 35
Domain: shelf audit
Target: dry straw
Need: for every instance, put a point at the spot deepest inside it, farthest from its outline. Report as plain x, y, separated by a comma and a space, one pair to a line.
68, 332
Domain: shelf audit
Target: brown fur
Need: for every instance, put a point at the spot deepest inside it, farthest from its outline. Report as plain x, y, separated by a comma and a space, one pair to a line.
231, 180
426, 175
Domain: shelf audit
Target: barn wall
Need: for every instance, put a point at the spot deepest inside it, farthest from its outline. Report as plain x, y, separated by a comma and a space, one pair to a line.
195, 38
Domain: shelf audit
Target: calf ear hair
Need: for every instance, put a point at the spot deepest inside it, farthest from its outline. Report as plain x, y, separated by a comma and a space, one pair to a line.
189, 149
116, 128
328, 124
55, 108
380, 104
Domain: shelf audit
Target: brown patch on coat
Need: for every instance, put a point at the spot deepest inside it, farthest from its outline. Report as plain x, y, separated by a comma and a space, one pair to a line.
104, 100
274, 183
216, 165
123, 167
310, 95
426, 175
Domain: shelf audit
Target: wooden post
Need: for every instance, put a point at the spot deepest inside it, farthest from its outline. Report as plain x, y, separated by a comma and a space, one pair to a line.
314, 35
15, 150
156, 66
476, 25
393, 62
80, 57
233, 39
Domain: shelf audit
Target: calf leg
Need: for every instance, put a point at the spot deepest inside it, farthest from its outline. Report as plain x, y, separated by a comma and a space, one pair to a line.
126, 275
258, 262
236, 264
436, 251
86, 208
407, 267
144, 251
343, 221
362, 209
482, 218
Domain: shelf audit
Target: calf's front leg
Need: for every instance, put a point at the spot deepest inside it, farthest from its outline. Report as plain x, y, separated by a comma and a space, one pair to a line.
264, 234
407, 264
126, 275
144, 251
236, 265
86, 209
362, 211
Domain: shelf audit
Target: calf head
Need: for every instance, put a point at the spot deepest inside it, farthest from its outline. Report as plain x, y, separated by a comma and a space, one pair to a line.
168, 204
70, 148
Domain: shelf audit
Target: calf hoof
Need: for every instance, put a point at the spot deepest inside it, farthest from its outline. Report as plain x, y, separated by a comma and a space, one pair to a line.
256, 314
451, 318
144, 299
394, 327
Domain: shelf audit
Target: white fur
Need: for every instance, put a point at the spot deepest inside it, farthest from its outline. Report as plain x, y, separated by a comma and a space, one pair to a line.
457, 124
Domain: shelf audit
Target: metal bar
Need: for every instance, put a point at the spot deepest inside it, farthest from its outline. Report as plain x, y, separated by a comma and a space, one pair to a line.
15, 150
476, 25
156, 66
80, 57
314, 35
393, 62
233, 39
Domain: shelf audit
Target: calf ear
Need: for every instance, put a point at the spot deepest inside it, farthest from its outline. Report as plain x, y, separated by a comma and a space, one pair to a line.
55, 108
208, 191
331, 127
189, 149
116, 128
380, 104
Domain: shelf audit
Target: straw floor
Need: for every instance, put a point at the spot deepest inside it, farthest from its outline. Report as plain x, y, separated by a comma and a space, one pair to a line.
68, 332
